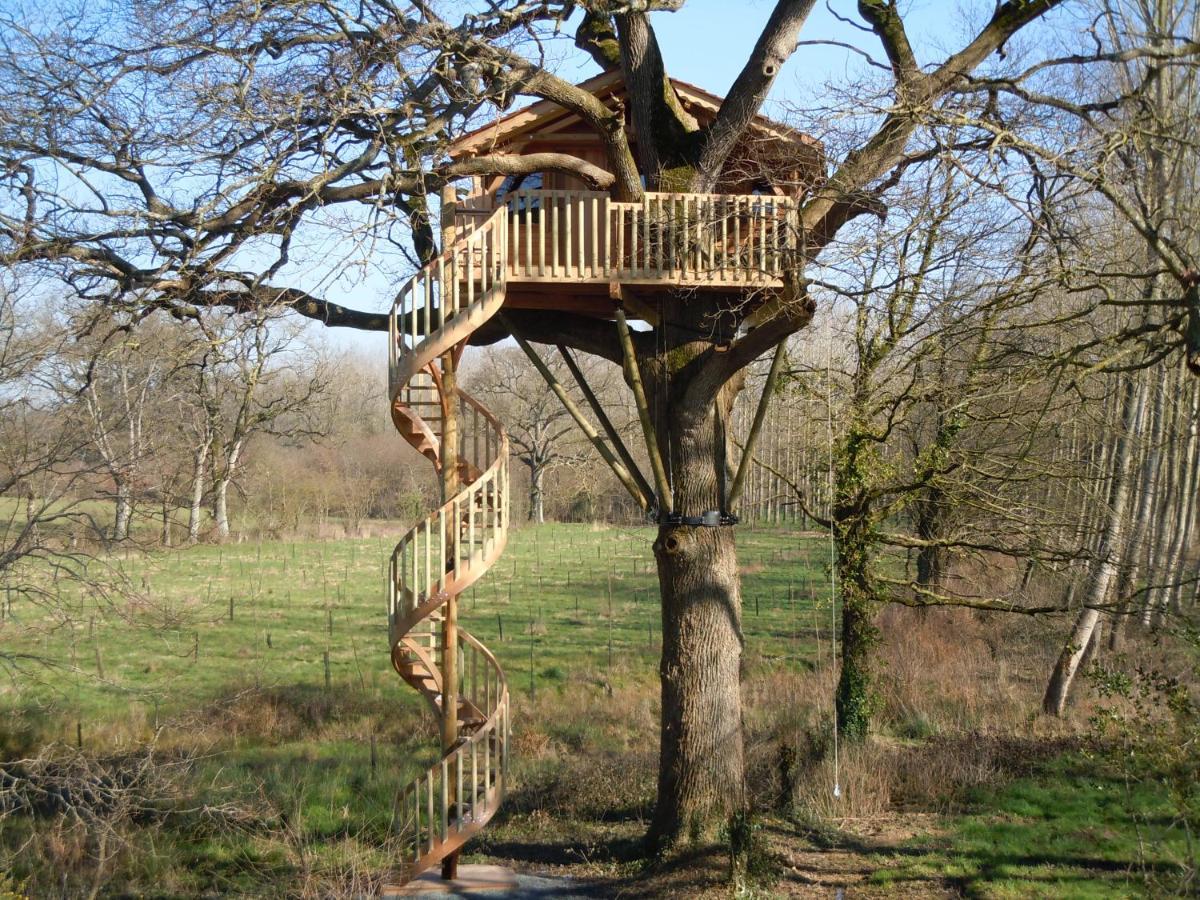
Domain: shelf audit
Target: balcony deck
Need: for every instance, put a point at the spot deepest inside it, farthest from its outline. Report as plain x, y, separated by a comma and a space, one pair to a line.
588, 241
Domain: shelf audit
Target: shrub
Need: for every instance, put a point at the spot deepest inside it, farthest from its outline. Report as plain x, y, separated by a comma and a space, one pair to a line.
1148, 731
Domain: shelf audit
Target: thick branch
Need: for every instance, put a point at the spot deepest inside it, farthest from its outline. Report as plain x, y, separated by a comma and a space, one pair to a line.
608, 124
500, 164
597, 37
885, 21
776, 43
257, 297
792, 312
843, 195
662, 125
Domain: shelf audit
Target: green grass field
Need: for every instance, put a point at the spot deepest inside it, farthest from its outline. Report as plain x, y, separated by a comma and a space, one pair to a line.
204, 621
265, 667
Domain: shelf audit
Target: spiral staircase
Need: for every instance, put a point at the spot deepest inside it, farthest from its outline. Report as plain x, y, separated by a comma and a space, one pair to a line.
453, 546
586, 242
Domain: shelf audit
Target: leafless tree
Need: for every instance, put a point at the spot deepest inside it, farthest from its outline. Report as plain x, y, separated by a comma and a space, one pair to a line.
542, 433
255, 375
938, 402
45, 477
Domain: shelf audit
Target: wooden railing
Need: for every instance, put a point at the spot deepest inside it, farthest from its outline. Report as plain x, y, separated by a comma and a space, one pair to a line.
449, 298
441, 809
682, 239
451, 548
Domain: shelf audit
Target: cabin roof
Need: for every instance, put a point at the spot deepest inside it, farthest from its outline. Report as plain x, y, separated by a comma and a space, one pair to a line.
536, 116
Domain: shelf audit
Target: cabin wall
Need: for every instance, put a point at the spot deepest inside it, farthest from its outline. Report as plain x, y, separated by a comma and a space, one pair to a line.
758, 164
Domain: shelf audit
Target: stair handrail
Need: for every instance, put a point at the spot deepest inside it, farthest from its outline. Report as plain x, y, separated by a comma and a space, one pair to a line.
465, 574
488, 241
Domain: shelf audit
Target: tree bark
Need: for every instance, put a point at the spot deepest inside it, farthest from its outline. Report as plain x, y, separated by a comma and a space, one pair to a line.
1104, 567
1146, 492
124, 511
537, 496
701, 781
853, 521
1186, 515
221, 506
165, 535
221, 491
195, 510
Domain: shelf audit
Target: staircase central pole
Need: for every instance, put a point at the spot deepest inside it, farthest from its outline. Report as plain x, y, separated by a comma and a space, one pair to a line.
450, 487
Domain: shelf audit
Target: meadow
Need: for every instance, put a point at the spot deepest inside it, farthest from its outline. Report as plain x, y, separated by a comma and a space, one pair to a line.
242, 698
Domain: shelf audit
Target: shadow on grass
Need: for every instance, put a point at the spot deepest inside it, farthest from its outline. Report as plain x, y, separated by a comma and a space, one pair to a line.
686, 873
1063, 825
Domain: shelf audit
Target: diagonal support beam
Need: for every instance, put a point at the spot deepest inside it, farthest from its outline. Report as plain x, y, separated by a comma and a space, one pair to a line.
605, 422
581, 420
666, 503
760, 414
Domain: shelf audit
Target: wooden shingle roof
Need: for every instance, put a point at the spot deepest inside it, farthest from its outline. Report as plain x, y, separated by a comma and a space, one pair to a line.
512, 127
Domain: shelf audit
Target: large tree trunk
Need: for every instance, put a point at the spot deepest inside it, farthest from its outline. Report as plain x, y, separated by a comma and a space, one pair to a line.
701, 780
854, 699
1185, 508
1168, 533
221, 490
1147, 491
701, 766
1104, 567
852, 525
221, 506
537, 499
931, 562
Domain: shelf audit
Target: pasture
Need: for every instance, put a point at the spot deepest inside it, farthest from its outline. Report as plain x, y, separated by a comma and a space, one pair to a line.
258, 673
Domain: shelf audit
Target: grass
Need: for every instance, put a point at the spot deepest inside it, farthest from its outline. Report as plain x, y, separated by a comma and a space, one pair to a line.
219, 652
1064, 832
200, 621
285, 781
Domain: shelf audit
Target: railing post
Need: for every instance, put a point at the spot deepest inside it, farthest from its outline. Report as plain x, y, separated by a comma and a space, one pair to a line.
570, 258
596, 267
393, 344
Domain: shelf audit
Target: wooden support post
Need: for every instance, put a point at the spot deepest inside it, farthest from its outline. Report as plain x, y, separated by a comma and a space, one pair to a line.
450, 487
760, 414
585, 426
633, 303
666, 503
605, 423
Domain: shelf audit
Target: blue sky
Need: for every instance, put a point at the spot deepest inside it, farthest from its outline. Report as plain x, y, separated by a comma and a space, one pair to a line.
707, 42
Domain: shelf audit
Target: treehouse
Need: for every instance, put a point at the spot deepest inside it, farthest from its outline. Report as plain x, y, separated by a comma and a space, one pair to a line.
543, 241
565, 245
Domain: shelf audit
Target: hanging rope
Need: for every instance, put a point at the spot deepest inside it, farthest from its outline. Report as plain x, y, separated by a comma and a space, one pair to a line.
837, 784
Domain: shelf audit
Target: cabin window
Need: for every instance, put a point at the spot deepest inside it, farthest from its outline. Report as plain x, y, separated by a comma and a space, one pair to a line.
514, 183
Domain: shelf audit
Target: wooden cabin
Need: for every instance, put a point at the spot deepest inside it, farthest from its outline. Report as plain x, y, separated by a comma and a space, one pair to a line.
560, 233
